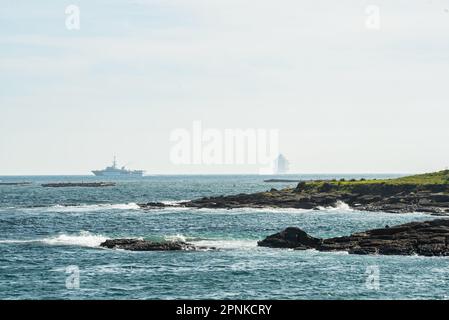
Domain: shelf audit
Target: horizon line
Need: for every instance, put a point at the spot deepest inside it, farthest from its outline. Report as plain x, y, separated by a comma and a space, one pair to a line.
215, 174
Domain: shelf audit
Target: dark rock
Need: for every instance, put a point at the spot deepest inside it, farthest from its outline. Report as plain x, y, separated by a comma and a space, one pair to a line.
145, 245
438, 197
15, 183
291, 237
301, 186
78, 184
325, 187
428, 238
152, 205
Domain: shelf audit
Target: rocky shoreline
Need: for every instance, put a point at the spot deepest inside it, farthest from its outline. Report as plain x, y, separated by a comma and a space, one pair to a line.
395, 202
433, 199
428, 238
427, 193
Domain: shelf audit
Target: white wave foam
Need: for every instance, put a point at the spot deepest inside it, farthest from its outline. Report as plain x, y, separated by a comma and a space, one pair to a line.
16, 241
176, 237
174, 202
83, 239
227, 244
88, 239
339, 205
211, 242
6, 208
342, 206
89, 207
249, 210
222, 211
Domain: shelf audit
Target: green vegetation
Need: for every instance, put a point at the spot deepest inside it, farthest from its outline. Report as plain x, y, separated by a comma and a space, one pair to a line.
440, 177
436, 182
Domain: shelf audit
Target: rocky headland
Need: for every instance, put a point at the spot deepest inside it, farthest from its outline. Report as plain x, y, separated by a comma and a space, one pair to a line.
428, 238
419, 193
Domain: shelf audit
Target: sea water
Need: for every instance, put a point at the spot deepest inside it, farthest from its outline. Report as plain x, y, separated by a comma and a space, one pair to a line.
51, 236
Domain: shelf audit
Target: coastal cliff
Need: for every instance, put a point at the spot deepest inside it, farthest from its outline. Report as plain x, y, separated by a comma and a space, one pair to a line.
418, 193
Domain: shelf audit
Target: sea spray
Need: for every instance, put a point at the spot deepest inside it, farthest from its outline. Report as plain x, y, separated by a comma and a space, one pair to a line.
82, 239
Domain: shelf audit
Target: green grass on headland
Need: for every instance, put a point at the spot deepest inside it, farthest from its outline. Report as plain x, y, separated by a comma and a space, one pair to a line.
435, 181
440, 177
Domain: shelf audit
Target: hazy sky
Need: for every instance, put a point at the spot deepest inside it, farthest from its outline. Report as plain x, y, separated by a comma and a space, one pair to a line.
344, 97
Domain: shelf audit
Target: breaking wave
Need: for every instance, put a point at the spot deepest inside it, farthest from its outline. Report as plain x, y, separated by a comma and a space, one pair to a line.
230, 211
173, 202
242, 244
88, 239
87, 207
339, 205
83, 239
176, 237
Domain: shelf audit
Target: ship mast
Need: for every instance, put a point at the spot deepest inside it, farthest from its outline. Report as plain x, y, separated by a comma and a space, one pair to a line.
114, 163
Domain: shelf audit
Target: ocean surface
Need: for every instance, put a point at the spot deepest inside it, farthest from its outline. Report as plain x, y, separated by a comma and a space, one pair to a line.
48, 235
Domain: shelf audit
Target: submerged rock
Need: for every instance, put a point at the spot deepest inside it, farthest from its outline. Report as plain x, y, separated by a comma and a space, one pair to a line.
428, 238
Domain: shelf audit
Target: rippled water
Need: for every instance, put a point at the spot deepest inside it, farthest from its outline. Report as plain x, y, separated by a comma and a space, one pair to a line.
45, 230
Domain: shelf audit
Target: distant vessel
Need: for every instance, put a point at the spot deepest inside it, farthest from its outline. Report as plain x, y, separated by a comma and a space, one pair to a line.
281, 165
114, 171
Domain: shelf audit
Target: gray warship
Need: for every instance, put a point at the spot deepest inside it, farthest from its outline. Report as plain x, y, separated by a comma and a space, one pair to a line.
115, 171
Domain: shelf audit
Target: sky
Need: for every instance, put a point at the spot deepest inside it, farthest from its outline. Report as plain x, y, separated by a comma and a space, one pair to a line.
346, 96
